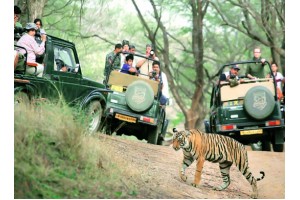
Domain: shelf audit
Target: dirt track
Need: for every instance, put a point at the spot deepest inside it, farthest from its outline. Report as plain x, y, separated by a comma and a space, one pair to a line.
159, 166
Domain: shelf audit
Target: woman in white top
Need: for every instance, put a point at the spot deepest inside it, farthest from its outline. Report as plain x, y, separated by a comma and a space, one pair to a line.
278, 76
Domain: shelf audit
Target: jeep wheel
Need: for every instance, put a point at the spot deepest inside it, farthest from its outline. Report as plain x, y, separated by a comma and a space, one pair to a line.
94, 114
278, 147
153, 134
139, 96
259, 102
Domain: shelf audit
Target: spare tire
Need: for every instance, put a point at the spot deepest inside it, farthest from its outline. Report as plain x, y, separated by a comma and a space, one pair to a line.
139, 96
259, 102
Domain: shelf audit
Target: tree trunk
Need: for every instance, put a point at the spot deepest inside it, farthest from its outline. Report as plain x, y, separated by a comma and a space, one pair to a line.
31, 9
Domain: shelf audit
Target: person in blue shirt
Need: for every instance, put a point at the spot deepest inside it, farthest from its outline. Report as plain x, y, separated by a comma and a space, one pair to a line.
127, 66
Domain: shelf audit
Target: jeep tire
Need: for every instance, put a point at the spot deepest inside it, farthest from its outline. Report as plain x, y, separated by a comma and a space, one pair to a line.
278, 147
259, 102
153, 134
139, 96
94, 115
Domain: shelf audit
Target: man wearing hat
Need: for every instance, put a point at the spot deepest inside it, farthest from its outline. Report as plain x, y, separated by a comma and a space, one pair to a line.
33, 49
232, 76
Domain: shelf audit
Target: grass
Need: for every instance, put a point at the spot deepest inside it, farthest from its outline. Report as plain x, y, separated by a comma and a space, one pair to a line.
54, 158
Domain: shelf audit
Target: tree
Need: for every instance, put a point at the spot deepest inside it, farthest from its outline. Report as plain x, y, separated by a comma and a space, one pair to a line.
264, 22
184, 70
31, 9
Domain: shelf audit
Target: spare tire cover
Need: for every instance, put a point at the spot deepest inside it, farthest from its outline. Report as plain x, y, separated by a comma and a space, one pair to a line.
259, 102
139, 96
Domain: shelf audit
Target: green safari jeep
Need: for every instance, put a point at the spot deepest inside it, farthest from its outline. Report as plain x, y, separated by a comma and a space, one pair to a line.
54, 84
133, 108
249, 112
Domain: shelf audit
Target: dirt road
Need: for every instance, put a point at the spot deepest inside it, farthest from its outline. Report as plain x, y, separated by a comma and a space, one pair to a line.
158, 167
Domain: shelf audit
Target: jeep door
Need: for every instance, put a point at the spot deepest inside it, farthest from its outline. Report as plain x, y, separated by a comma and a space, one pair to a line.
68, 82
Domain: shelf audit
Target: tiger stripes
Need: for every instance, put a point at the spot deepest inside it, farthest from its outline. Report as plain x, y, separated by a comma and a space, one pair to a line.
215, 148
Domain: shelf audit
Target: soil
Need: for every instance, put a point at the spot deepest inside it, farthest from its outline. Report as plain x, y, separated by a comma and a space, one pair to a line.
158, 167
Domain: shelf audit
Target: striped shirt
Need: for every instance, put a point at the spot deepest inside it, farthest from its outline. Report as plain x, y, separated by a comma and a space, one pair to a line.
28, 42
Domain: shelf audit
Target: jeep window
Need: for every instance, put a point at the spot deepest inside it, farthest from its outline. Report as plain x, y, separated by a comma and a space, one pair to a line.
66, 55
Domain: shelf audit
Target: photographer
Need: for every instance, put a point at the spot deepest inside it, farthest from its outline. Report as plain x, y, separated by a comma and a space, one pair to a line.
40, 31
144, 64
157, 75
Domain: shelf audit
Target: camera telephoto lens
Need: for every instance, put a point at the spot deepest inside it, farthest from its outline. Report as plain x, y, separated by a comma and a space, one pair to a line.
151, 52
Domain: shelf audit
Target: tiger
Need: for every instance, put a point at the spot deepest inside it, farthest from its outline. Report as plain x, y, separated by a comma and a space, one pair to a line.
215, 148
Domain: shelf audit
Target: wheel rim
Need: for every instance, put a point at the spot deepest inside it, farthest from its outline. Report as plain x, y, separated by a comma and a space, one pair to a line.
94, 116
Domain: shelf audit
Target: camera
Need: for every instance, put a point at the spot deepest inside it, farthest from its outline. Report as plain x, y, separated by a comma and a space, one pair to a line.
154, 73
232, 76
151, 53
38, 33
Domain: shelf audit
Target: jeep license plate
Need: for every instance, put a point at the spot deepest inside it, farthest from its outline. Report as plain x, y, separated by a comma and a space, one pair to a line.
125, 118
252, 132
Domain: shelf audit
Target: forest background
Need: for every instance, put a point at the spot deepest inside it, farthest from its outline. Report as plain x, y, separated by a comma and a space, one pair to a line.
192, 39
222, 42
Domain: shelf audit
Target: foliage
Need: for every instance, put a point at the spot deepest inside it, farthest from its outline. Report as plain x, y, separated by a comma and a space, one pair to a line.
178, 120
95, 27
54, 158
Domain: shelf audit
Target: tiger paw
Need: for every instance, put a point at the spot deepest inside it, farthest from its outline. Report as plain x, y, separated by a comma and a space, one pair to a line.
183, 177
194, 184
221, 187
217, 188
254, 196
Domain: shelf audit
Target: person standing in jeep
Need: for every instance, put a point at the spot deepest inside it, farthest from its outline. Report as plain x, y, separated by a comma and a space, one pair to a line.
144, 64
256, 70
113, 60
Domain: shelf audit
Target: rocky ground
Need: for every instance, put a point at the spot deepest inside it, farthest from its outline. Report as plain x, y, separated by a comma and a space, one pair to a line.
158, 167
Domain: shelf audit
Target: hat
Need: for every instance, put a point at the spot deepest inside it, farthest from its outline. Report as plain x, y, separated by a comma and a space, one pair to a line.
31, 26
148, 45
124, 42
235, 67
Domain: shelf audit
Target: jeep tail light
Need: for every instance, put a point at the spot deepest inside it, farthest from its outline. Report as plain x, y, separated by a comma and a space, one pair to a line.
228, 127
147, 119
273, 123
